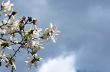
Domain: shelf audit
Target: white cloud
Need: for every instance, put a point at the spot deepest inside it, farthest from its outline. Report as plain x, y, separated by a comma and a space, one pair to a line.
59, 64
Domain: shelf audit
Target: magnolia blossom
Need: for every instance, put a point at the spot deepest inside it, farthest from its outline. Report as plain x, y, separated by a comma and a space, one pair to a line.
10, 29
15, 26
32, 61
3, 56
12, 19
10, 64
51, 32
37, 33
34, 21
4, 30
35, 46
7, 7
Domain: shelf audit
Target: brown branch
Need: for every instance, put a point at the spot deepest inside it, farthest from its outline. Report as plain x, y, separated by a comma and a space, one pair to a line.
16, 51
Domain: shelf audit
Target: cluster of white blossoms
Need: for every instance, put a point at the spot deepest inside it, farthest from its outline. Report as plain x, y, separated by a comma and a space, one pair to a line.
7, 7
32, 40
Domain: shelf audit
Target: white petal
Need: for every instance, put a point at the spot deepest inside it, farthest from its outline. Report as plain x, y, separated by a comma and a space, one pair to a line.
14, 65
53, 39
51, 25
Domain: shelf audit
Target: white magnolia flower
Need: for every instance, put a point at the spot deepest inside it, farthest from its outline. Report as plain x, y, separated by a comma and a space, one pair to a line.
35, 46
7, 7
10, 29
12, 19
10, 64
32, 61
15, 26
34, 21
37, 33
51, 32
3, 56
4, 30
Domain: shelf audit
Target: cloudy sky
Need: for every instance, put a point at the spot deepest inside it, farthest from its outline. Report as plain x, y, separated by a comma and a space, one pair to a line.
84, 42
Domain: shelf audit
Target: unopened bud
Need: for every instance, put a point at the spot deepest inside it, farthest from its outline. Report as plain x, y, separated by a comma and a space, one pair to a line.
34, 21
13, 13
30, 19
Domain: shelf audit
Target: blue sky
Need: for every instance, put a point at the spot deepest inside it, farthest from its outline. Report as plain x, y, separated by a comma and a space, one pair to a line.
84, 42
